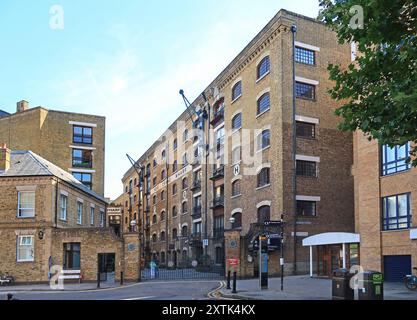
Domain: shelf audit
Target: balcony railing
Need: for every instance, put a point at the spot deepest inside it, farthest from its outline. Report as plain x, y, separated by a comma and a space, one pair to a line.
195, 239
82, 163
218, 173
196, 212
218, 233
218, 117
218, 202
196, 185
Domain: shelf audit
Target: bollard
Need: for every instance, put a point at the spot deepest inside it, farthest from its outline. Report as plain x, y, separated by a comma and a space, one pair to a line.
234, 282
98, 279
121, 278
228, 280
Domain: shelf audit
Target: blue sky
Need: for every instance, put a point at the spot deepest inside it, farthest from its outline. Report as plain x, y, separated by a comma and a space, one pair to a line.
125, 60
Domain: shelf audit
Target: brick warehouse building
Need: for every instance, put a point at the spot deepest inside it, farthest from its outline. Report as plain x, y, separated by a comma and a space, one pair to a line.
74, 142
253, 93
49, 218
385, 199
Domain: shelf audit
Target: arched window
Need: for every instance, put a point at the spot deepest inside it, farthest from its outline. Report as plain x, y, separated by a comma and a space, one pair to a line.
236, 155
184, 183
175, 166
163, 175
175, 146
263, 67
237, 90
154, 165
184, 231
162, 237
236, 188
184, 207
163, 216
237, 122
174, 234
154, 199
174, 211
164, 154
264, 214
162, 195
263, 178
185, 135
154, 219
154, 238
174, 189
264, 140
238, 220
264, 103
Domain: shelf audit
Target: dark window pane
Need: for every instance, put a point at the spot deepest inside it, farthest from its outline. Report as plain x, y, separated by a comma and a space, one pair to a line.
306, 208
263, 103
237, 122
396, 212
263, 67
306, 168
304, 90
305, 56
306, 130
237, 90
264, 214
394, 160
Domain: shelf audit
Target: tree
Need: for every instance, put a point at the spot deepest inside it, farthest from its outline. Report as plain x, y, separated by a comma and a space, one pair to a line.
378, 89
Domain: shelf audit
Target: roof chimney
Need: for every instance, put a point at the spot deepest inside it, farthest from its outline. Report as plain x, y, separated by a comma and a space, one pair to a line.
4, 158
22, 106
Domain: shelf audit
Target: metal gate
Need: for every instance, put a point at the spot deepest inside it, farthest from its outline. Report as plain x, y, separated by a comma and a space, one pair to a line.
189, 272
396, 268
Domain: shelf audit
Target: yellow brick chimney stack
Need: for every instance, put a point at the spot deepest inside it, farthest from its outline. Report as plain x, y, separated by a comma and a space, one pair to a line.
4, 158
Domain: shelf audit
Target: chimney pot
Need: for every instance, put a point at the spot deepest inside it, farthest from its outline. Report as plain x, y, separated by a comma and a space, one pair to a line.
22, 106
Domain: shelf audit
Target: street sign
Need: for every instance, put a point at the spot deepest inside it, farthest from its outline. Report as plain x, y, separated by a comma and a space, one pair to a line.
233, 262
272, 223
205, 242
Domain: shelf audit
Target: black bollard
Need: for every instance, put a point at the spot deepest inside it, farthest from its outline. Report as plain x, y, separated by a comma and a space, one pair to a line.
228, 280
234, 282
98, 279
121, 278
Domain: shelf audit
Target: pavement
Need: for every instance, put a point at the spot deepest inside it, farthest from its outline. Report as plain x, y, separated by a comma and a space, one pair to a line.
67, 287
303, 288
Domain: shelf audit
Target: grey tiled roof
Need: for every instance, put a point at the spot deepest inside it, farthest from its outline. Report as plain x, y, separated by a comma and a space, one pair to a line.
4, 114
28, 164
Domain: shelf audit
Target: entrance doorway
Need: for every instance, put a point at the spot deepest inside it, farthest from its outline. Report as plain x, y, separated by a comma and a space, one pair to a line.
107, 266
329, 259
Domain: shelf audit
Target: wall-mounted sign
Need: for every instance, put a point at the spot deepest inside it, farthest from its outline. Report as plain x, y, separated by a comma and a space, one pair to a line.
233, 244
236, 170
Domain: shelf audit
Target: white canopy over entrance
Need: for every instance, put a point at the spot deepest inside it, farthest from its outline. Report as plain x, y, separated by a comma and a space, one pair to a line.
330, 238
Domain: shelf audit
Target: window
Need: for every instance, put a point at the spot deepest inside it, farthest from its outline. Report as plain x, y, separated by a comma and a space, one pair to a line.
79, 212
63, 207
72, 256
264, 140
264, 103
263, 178
306, 168
394, 160
237, 91
162, 195
305, 91
236, 188
305, 56
25, 249
185, 135
174, 189
184, 208
174, 234
197, 229
237, 122
85, 178
154, 219
162, 236
154, 238
163, 154
184, 183
184, 160
154, 182
26, 204
175, 146
396, 212
175, 166
306, 130
102, 222
263, 67
82, 158
92, 211
154, 165
82, 135
163, 216
174, 212
236, 155
238, 220
307, 208
264, 214
184, 231
163, 175
154, 199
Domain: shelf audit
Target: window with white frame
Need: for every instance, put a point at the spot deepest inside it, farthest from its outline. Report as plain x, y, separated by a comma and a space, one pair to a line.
25, 249
26, 204
79, 212
263, 67
101, 219
63, 207
92, 210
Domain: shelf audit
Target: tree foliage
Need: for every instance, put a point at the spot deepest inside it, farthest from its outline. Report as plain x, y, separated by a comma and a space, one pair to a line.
379, 89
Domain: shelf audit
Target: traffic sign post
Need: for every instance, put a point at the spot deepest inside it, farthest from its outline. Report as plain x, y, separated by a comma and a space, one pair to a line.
263, 262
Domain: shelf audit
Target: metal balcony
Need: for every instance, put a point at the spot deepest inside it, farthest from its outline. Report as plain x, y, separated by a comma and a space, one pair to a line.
218, 202
218, 233
196, 239
218, 117
196, 212
218, 173
196, 185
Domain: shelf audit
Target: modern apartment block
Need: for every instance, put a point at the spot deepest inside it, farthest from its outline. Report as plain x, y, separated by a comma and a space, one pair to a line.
250, 173
75, 142
385, 200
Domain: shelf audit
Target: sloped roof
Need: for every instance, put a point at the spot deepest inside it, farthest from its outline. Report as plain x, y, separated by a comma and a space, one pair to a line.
28, 164
4, 114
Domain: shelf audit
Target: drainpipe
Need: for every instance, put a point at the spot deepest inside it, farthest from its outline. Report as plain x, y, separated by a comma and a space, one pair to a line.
294, 147
56, 203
